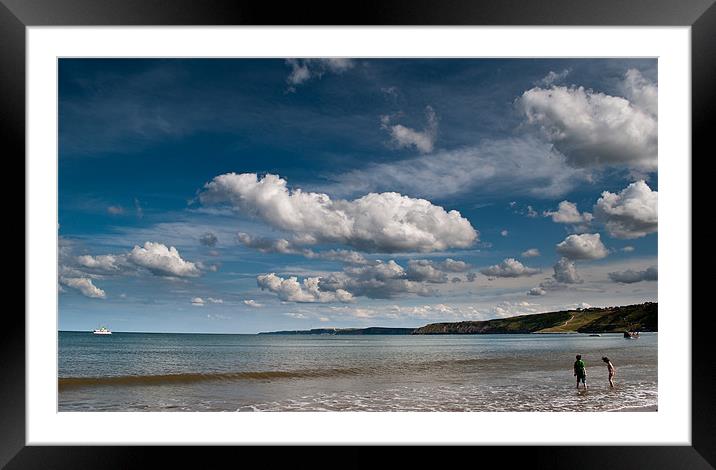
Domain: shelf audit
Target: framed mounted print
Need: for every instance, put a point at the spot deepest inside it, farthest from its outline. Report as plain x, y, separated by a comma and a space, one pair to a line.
414, 231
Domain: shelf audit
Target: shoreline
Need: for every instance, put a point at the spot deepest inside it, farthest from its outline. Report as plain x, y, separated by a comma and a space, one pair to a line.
637, 409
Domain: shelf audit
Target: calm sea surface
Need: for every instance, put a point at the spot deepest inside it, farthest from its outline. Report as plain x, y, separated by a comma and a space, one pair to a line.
197, 372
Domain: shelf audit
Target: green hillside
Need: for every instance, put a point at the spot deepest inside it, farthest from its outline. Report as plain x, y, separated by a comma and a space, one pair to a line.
639, 317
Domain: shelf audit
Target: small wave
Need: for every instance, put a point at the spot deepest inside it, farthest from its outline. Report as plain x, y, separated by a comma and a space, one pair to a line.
188, 378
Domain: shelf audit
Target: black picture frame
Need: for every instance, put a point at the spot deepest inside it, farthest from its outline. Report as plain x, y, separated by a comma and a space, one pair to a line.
16, 15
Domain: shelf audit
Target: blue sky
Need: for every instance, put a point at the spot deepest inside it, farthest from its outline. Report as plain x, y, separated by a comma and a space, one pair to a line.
245, 195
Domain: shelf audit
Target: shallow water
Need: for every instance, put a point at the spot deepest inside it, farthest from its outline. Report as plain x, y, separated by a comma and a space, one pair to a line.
196, 372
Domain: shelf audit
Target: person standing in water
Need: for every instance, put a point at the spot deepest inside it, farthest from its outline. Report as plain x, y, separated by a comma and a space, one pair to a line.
580, 371
611, 369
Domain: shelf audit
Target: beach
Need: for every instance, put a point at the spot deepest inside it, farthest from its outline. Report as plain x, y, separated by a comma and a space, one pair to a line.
444, 373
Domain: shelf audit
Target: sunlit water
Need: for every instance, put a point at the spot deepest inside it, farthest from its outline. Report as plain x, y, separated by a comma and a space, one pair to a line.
194, 372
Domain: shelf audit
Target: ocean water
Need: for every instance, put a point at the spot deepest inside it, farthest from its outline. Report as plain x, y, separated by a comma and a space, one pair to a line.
202, 372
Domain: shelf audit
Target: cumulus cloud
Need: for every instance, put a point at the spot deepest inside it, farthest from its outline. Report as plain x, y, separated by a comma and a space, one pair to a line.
386, 222
252, 303
633, 213
197, 302
565, 272
504, 233
640, 91
531, 253
84, 286
208, 239
595, 129
536, 291
303, 70
154, 258
115, 210
567, 213
383, 280
630, 276
510, 267
289, 289
404, 137
519, 166
162, 260
107, 264
454, 266
423, 270
215, 301
584, 246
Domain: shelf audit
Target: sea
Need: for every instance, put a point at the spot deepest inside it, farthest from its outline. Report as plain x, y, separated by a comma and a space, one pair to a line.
444, 373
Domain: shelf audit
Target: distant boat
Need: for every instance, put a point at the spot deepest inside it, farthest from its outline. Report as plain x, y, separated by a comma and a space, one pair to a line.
102, 331
631, 334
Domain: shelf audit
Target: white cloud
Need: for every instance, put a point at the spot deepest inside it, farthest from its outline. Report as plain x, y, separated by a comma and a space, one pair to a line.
252, 303
454, 266
594, 129
510, 267
387, 222
197, 302
640, 91
504, 233
215, 301
344, 256
553, 77
423, 270
103, 263
291, 290
584, 246
630, 276
531, 253
403, 137
115, 210
84, 286
516, 166
567, 213
303, 70
628, 249
633, 213
565, 272
384, 280
537, 291
162, 260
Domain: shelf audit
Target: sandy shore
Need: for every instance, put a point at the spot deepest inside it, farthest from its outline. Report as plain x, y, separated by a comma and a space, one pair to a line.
639, 408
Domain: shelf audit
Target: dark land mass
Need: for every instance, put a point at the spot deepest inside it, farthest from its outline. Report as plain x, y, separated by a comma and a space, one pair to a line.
639, 317
374, 330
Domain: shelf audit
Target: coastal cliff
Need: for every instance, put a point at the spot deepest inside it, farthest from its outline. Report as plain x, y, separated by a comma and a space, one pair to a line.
639, 317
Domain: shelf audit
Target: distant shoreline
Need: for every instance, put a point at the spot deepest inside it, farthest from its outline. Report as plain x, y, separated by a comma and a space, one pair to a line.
637, 317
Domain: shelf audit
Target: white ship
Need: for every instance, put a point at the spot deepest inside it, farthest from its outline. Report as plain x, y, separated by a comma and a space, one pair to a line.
102, 331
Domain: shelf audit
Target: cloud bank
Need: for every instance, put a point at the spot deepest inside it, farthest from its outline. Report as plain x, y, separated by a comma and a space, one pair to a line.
584, 246
385, 222
595, 129
510, 267
633, 213
630, 276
